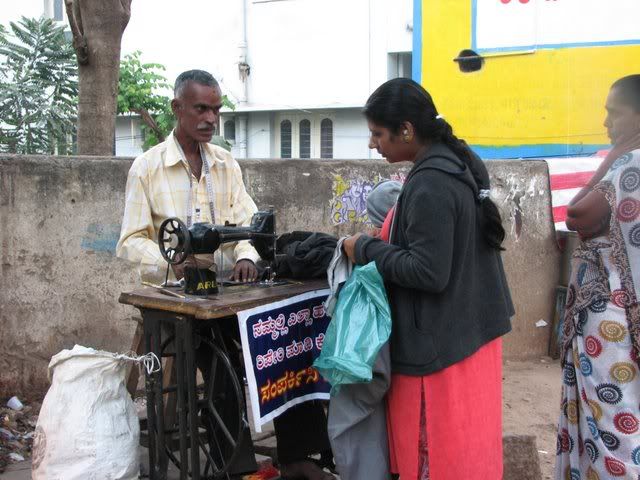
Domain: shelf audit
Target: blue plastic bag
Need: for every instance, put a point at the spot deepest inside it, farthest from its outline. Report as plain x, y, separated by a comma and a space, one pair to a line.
360, 326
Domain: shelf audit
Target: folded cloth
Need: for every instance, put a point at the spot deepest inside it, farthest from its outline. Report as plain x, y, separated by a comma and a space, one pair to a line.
339, 271
357, 425
306, 254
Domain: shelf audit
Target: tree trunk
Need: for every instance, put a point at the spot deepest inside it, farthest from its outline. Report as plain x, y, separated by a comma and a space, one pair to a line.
97, 27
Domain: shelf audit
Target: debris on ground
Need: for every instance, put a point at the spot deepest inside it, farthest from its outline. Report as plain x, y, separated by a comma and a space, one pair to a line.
14, 403
17, 423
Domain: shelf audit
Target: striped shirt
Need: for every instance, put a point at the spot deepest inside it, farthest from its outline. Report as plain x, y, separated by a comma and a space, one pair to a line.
158, 188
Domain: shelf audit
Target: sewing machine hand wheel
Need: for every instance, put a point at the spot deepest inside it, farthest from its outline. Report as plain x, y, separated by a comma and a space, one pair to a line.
174, 241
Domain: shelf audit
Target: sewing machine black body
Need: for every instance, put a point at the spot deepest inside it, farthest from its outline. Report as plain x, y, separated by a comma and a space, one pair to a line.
177, 243
207, 238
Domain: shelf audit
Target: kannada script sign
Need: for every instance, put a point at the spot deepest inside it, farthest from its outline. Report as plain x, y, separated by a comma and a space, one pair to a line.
280, 341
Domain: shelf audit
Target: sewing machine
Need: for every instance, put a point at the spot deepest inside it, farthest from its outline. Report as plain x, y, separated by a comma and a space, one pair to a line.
177, 243
184, 424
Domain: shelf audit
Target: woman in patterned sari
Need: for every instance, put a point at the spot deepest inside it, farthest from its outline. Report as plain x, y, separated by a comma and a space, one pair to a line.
599, 427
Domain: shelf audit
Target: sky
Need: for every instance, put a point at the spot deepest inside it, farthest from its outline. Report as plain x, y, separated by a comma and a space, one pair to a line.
11, 10
196, 35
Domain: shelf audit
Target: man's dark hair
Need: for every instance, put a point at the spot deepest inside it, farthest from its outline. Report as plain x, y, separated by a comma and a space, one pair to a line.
198, 76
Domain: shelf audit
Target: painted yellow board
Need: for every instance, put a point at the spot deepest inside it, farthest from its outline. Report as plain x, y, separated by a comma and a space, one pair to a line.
549, 102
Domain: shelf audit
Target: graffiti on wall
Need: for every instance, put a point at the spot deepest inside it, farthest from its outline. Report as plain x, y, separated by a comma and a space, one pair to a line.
101, 238
349, 200
399, 177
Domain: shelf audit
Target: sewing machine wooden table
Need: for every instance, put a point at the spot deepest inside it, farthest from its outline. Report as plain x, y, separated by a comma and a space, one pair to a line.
175, 327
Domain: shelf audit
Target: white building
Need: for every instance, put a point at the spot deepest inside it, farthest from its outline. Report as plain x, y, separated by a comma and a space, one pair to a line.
299, 71
312, 64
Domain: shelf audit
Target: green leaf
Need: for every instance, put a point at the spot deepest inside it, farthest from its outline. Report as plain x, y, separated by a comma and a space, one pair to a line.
38, 87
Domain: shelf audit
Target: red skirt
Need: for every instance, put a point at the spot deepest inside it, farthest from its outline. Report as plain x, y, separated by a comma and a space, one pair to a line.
463, 411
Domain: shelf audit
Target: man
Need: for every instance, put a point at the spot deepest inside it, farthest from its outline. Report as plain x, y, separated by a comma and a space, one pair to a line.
188, 178
169, 178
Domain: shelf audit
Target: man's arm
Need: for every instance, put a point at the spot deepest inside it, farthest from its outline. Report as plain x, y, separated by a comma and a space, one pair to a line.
136, 242
243, 208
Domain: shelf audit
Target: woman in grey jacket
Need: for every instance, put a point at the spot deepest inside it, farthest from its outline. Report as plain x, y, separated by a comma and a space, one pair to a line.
447, 290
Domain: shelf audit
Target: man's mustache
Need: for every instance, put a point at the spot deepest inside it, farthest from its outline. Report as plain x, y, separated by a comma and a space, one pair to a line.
205, 126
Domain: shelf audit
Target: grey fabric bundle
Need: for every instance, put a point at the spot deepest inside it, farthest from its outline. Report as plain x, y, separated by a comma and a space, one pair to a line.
381, 199
357, 418
358, 425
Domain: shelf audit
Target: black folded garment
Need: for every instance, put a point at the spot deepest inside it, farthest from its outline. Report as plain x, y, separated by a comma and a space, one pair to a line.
304, 254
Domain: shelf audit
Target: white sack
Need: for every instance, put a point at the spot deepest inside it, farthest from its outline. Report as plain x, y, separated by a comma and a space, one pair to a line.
88, 428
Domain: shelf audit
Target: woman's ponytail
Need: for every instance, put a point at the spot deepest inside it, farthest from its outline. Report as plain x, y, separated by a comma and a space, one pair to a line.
490, 219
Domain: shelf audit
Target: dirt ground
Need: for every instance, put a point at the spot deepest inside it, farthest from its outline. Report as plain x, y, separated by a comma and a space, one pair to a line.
531, 399
531, 405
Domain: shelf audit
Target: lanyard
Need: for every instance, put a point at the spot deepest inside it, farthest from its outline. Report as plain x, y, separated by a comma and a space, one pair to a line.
208, 181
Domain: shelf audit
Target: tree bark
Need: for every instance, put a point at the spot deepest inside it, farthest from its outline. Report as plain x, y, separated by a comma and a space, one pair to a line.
97, 27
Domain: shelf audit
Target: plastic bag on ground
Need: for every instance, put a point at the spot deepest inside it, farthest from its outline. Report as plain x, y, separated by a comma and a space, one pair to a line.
360, 326
88, 427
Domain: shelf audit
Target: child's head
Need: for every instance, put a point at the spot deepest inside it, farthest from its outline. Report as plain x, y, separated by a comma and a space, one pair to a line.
380, 200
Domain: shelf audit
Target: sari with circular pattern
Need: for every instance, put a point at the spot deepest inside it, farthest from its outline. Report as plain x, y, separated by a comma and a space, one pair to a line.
599, 426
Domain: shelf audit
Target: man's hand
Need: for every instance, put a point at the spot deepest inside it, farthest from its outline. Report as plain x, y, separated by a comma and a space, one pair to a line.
244, 271
178, 270
373, 231
191, 261
349, 246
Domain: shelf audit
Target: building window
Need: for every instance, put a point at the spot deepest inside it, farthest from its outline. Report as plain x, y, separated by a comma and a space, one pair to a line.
326, 138
305, 139
230, 130
285, 139
57, 10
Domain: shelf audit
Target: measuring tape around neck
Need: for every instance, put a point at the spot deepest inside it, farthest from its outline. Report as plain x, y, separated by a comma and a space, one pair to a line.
208, 181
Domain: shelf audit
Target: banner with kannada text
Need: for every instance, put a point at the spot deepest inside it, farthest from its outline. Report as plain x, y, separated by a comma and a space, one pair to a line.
280, 341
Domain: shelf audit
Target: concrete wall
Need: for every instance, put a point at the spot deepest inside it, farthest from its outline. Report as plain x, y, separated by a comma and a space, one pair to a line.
60, 220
